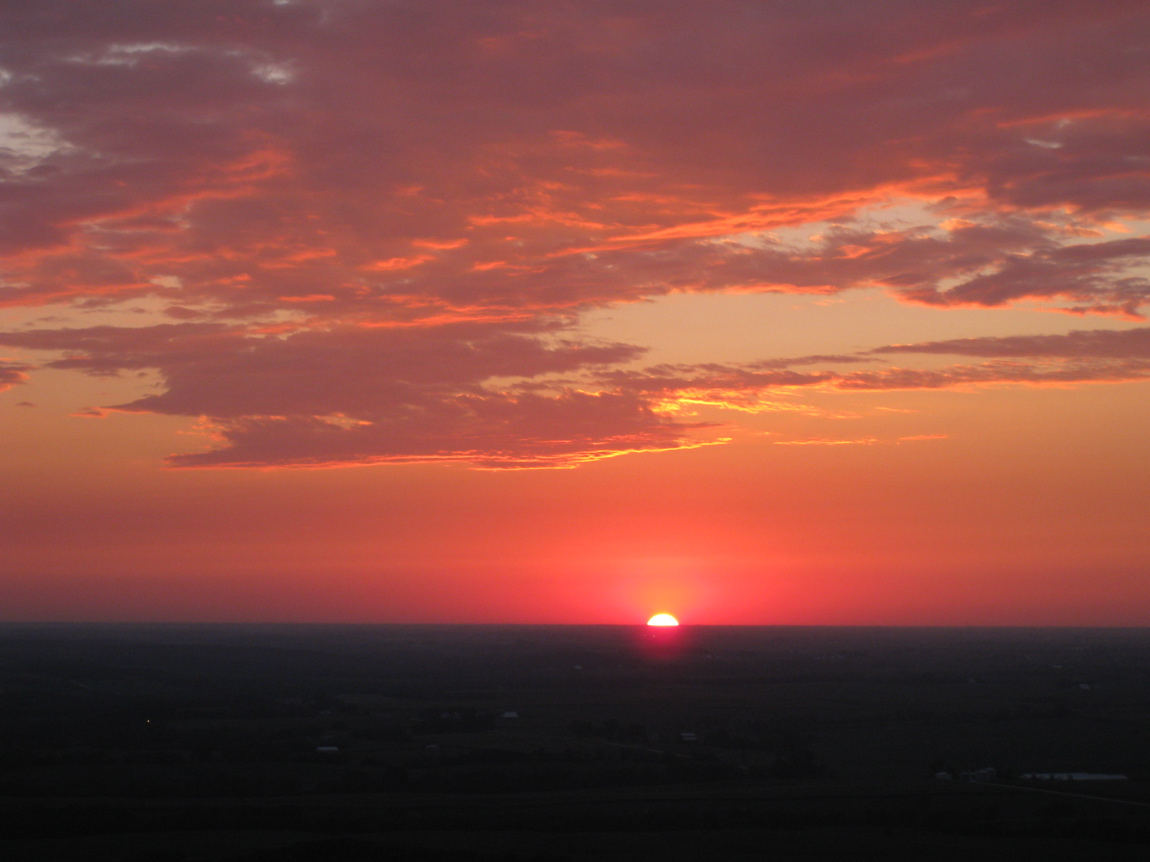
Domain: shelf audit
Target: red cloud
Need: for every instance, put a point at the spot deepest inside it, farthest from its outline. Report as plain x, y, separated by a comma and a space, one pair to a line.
487, 430
374, 394
312, 149
1093, 275
725, 385
1080, 344
12, 373
495, 395
384, 216
997, 372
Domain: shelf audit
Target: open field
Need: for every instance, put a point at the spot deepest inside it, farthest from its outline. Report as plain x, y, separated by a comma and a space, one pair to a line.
530, 742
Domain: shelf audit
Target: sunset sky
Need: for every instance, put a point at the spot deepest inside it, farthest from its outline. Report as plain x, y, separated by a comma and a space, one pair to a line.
763, 312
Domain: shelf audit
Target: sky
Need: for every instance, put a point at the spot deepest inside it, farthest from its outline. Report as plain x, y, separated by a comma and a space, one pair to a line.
820, 312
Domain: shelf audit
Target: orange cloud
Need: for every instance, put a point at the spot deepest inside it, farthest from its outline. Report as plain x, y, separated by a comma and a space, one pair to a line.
398, 217
398, 262
12, 373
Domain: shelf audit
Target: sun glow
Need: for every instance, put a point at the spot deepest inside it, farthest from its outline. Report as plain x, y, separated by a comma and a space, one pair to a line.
662, 620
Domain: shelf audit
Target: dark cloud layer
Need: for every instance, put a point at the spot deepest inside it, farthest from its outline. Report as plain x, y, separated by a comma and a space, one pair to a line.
372, 223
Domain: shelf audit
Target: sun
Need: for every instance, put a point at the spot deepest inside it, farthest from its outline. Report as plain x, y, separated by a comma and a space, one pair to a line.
662, 620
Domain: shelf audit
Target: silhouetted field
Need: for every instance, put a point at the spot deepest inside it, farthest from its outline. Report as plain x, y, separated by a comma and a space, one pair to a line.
174, 742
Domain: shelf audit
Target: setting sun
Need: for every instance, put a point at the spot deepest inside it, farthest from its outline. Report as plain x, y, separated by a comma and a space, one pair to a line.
662, 620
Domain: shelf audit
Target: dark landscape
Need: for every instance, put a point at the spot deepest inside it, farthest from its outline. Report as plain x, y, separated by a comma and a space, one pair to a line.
253, 743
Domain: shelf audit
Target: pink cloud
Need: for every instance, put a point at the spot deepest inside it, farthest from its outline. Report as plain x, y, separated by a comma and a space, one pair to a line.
1079, 344
12, 373
376, 223
494, 395
374, 394
1095, 276
312, 149
486, 430
761, 380
997, 372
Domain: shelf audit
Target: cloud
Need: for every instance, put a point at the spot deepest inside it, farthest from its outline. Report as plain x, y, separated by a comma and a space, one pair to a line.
997, 372
822, 441
375, 225
862, 441
12, 373
1094, 275
488, 430
749, 387
504, 395
374, 394
1079, 356
315, 370
1078, 344
404, 162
